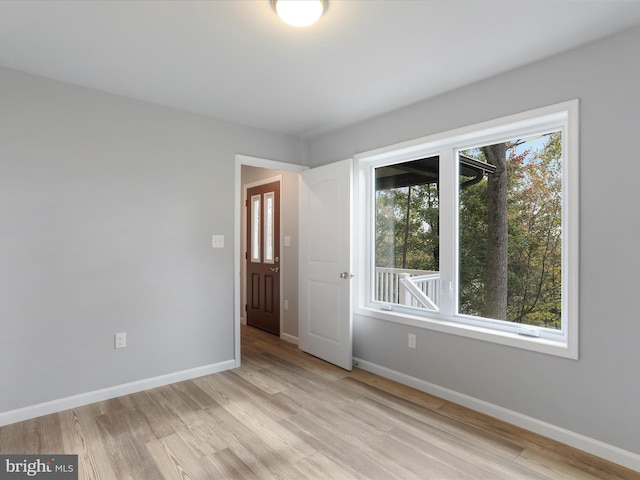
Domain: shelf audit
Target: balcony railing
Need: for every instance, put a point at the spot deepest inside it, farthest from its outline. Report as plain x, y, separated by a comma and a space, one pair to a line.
402, 286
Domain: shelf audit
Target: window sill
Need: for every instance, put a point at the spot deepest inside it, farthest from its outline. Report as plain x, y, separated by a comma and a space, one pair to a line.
535, 344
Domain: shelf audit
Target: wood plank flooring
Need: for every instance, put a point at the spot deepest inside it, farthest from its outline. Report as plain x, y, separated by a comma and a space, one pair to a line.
288, 415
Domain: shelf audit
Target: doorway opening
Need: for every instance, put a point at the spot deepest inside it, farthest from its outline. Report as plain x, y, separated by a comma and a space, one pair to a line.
283, 308
313, 203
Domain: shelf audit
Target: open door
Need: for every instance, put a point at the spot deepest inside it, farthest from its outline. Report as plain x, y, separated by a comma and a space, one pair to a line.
325, 323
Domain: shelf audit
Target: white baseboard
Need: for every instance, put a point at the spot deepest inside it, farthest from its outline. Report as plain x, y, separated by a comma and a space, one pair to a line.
289, 338
54, 406
595, 447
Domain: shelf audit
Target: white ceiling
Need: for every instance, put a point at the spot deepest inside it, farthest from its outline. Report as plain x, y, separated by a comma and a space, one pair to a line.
235, 60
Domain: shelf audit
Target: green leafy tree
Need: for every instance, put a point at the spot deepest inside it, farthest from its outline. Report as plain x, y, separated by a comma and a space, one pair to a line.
407, 227
473, 246
536, 238
510, 233
533, 241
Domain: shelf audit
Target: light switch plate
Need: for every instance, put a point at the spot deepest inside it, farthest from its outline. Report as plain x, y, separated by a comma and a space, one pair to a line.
287, 241
120, 340
217, 241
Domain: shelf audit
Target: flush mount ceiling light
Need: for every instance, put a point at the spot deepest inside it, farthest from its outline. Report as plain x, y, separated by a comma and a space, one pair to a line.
300, 13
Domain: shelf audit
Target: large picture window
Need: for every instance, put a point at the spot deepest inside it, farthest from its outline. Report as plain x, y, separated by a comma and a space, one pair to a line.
475, 231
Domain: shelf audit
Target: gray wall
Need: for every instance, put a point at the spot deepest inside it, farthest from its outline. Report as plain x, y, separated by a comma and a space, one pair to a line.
598, 395
289, 227
107, 207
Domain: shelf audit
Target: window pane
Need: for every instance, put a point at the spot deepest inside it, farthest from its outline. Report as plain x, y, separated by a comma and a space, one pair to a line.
255, 228
510, 227
268, 227
407, 234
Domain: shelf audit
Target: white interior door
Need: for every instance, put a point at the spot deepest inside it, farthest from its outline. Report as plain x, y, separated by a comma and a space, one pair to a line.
325, 328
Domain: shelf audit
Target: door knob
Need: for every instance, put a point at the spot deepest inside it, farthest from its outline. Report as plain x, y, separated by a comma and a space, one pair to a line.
346, 275
275, 269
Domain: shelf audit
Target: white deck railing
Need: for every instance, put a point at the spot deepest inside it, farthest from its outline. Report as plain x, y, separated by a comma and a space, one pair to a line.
403, 286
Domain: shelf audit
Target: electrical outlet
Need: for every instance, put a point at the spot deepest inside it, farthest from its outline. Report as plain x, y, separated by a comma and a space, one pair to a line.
120, 340
412, 340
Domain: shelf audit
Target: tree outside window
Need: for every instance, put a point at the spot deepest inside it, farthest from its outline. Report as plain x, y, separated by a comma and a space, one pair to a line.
509, 229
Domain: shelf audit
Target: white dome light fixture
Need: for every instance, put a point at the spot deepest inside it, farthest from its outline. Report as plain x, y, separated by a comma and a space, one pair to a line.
300, 13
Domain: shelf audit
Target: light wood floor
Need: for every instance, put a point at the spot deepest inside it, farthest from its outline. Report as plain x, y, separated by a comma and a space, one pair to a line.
287, 415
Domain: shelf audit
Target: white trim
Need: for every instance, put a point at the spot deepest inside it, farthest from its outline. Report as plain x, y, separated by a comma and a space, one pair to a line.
582, 442
563, 116
61, 404
541, 345
289, 338
268, 164
571, 218
459, 136
237, 245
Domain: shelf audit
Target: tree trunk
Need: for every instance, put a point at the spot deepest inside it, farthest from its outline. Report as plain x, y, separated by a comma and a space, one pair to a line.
498, 233
406, 230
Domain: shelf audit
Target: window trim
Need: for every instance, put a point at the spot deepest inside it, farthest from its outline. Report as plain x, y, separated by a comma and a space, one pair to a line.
563, 116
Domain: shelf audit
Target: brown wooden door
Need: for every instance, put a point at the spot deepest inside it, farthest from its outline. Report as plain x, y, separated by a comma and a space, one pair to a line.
263, 257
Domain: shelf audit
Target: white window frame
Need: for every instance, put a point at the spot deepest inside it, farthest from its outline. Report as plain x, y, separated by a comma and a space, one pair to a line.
563, 342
